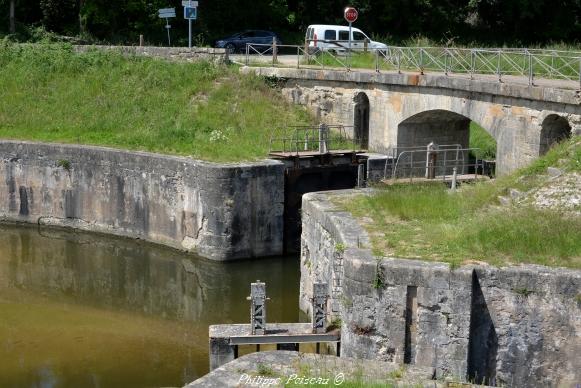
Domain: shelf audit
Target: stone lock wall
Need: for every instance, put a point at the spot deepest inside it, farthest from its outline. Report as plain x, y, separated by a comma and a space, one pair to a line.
514, 326
219, 211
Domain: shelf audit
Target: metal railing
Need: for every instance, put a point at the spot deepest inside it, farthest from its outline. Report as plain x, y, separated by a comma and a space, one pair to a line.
322, 139
393, 154
436, 164
531, 64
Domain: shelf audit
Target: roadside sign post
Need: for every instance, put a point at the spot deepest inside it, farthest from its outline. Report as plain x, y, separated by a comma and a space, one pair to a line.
350, 15
167, 13
190, 13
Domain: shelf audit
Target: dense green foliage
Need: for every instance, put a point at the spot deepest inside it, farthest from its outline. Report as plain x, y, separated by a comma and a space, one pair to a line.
430, 222
446, 21
48, 93
482, 140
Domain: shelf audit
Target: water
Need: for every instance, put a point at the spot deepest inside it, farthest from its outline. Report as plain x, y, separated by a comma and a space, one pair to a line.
84, 310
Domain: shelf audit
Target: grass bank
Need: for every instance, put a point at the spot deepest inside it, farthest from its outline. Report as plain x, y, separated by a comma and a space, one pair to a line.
49, 93
432, 223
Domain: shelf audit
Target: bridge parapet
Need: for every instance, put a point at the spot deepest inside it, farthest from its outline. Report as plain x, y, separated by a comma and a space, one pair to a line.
521, 65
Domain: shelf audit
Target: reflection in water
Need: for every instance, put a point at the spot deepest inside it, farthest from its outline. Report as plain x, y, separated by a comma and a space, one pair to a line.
85, 310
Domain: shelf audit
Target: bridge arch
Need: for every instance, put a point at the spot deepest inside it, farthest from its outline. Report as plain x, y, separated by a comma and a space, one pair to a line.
554, 129
361, 119
443, 128
440, 126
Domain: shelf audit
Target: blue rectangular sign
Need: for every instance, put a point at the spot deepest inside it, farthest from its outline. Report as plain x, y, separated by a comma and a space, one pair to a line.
190, 13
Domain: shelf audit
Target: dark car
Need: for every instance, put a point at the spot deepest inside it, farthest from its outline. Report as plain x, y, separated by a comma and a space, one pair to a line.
238, 41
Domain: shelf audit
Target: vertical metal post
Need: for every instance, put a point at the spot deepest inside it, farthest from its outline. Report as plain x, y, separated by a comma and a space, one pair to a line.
298, 57
472, 63
258, 300
446, 62
399, 61
454, 177
498, 67
167, 27
377, 61
323, 139
141, 41
350, 32
190, 33
319, 307
422, 61
530, 68
411, 166
274, 49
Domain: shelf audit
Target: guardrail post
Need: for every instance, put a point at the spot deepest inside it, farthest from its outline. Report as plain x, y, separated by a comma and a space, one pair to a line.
472, 63
298, 57
399, 61
498, 67
446, 61
421, 61
530, 68
377, 61
247, 54
274, 54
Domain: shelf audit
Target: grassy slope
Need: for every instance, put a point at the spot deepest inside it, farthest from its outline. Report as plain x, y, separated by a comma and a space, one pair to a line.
485, 143
48, 93
431, 223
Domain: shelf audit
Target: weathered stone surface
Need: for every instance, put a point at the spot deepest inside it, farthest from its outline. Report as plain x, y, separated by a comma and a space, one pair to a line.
554, 172
514, 326
172, 53
219, 211
277, 368
412, 109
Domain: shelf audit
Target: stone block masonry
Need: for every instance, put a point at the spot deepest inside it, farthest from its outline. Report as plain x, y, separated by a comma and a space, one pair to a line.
170, 53
513, 326
413, 109
218, 211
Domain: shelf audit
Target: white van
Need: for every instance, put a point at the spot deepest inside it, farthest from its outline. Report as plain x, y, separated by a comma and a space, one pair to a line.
336, 38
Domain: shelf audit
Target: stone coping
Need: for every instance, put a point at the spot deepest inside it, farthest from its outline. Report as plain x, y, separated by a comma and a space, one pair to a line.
146, 154
437, 81
277, 367
344, 226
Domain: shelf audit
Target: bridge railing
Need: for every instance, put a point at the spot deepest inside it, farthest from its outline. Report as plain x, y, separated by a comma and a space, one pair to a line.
529, 63
500, 63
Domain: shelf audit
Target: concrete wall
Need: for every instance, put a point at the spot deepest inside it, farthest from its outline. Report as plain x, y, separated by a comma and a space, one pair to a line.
512, 326
219, 211
512, 114
171, 53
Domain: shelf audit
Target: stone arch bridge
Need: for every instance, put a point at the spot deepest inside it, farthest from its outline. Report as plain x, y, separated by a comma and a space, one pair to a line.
391, 110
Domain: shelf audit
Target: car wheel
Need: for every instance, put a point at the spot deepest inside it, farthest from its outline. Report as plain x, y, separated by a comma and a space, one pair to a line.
231, 48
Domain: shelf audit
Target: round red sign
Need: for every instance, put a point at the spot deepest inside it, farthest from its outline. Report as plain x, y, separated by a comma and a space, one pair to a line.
351, 14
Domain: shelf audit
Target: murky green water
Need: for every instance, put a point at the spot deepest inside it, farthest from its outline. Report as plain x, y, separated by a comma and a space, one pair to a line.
81, 310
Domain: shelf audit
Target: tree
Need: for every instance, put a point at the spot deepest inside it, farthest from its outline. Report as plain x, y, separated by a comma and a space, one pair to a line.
12, 16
